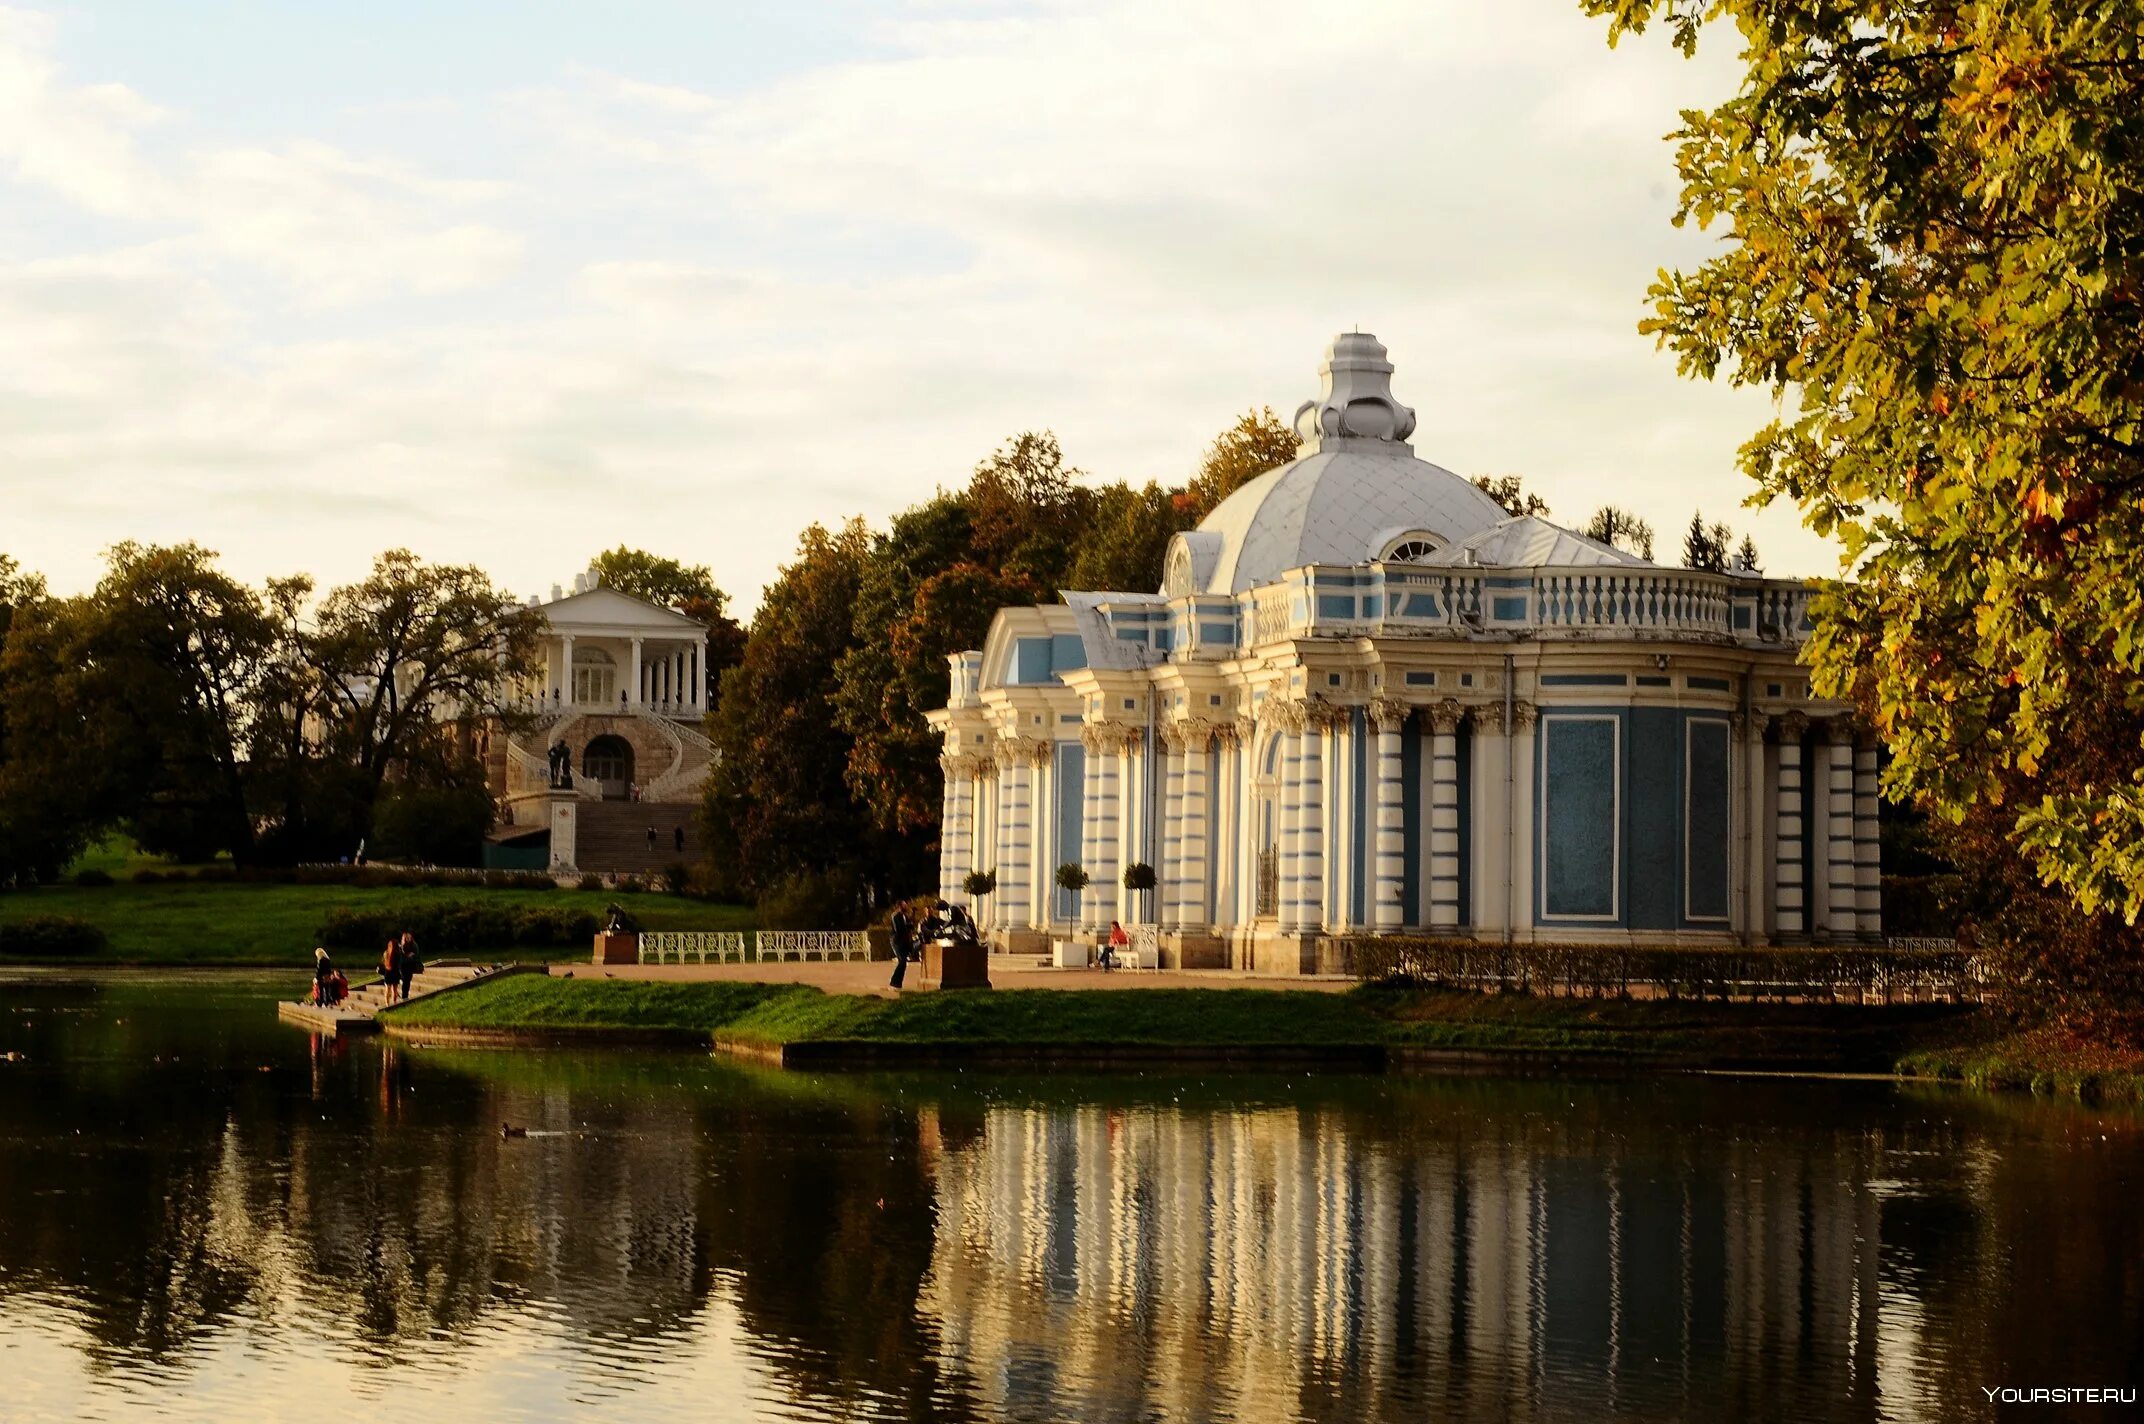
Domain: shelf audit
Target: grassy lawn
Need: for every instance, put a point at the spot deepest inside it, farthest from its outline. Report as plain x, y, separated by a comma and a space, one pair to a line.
1861, 1039
180, 922
2039, 1061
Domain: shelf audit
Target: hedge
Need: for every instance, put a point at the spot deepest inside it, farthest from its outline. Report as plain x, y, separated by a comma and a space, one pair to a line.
459, 926
49, 936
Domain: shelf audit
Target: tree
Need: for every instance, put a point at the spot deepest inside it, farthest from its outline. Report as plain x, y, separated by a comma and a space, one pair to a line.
1509, 491
57, 791
1621, 528
1128, 538
1934, 248
1746, 556
779, 809
1259, 441
1706, 547
407, 658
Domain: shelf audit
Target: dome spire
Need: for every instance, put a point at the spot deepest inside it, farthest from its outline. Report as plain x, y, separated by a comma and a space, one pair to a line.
1355, 409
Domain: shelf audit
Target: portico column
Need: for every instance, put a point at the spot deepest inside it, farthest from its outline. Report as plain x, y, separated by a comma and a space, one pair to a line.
1288, 903
1019, 835
1522, 820
1191, 838
1789, 892
948, 818
1842, 900
1389, 870
638, 695
1755, 859
1491, 868
1868, 860
566, 695
1170, 872
1109, 827
1310, 848
1444, 817
1246, 814
1042, 840
1090, 828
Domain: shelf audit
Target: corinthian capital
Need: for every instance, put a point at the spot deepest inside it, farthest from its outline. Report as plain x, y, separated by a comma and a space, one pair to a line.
1793, 726
1523, 716
1444, 716
1388, 714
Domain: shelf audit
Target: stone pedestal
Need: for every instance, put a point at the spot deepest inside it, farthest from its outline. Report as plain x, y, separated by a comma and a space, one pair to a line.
562, 815
623, 948
955, 964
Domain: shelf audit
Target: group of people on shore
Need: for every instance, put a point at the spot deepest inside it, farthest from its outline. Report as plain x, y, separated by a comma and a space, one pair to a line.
398, 966
917, 923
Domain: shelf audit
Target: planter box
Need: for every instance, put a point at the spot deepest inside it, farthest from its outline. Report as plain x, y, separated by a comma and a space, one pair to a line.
617, 949
953, 964
1069, 954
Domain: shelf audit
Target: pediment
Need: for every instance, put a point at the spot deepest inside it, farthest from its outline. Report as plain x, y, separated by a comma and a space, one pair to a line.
608, 608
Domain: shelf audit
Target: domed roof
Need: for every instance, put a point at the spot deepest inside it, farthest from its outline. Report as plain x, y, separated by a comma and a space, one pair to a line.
1353, 494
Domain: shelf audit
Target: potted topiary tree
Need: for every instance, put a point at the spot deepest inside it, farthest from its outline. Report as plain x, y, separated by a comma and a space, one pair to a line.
1139, 876
1069, 954
979, 883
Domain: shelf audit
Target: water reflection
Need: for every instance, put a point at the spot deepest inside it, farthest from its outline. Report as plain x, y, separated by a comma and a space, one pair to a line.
204, 1212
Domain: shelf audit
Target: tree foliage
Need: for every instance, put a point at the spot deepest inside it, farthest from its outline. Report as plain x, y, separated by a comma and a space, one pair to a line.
1611, 525
688, 588
1259, 441
1510, 492
1935, 253
1711, 547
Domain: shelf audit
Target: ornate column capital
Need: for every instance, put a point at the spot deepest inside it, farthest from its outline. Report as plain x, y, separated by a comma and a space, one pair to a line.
986, 766
1839, 731
1320, 715
1106, 736
1488, 716
1288, 716
1024, 751
1444, 716
1194, 734
1793, 726
1388, 714
1523, 716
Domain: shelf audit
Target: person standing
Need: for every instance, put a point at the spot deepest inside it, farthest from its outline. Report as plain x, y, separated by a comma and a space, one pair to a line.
651, 842
323, 979
904, 942
677, 838
390, 968
407, 963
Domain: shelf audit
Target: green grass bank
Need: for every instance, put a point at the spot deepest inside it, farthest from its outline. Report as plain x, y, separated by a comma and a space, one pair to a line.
185, 921
1369, 1027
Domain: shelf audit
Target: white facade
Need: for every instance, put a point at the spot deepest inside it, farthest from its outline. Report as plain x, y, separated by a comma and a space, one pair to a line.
1366, 700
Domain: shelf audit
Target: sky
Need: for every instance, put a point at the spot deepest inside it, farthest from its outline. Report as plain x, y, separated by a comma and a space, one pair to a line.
510, 283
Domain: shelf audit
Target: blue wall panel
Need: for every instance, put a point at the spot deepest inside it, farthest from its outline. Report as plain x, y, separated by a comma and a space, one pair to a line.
1578, 820
1069, 787
1706, 831
1652, 847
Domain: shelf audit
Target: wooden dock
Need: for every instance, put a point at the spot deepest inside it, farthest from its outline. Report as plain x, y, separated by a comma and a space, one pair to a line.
359, 1012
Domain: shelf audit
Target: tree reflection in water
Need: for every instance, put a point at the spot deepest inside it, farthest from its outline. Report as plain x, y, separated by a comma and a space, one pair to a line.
180, 1174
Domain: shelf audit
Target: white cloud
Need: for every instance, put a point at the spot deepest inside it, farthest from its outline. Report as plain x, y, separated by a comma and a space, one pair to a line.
699, 320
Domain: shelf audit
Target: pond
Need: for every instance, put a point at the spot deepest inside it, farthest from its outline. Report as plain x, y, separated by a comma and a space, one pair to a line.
207, 1215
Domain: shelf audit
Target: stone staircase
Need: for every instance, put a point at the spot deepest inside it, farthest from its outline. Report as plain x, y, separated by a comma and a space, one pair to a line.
612, 836
358, 1012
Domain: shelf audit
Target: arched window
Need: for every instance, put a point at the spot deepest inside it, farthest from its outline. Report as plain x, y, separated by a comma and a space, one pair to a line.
1176, 574
1412, 547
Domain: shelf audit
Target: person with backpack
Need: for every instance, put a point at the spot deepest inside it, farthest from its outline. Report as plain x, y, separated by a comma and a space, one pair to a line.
407, 965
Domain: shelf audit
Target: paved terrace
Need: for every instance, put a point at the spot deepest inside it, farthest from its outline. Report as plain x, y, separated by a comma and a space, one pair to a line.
1006, 972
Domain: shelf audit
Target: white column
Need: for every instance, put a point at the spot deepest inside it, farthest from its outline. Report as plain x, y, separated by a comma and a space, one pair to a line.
566, 685
1108, 869
1137, 904
1288, 906
638, 693
1491, 870
990, 834
948, 820
1191, 837
1222, 855
1168, 867
1522, 815
1310, 842
1092, 915
1758, 854
1444, 817
1042, 841
1387, 913
1014, 879
1787, 863
1868, 859
1842, 898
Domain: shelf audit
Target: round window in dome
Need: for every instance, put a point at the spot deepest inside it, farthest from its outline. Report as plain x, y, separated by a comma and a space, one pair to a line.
1412, 547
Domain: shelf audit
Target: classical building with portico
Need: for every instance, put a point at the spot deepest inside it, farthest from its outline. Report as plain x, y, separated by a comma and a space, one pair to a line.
624, 687
1367, 700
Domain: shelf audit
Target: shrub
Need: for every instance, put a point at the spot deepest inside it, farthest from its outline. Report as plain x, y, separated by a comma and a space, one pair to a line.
630, 884
92, 878
820, 900
148, 877
979, 882
1138, 876
589, 882
676, 878
457, 926
49, 937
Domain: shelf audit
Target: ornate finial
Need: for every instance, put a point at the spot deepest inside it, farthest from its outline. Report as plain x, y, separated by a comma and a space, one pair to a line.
1356, 407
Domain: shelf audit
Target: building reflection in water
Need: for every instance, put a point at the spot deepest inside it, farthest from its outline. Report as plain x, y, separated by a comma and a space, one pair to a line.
674, 1236
1283, 1262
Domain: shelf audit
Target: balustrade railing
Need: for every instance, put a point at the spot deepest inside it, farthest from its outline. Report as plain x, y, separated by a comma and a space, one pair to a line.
1847, 973
758, 946
701, 946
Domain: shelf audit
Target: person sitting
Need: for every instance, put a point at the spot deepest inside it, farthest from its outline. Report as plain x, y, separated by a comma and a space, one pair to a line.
1116, 940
